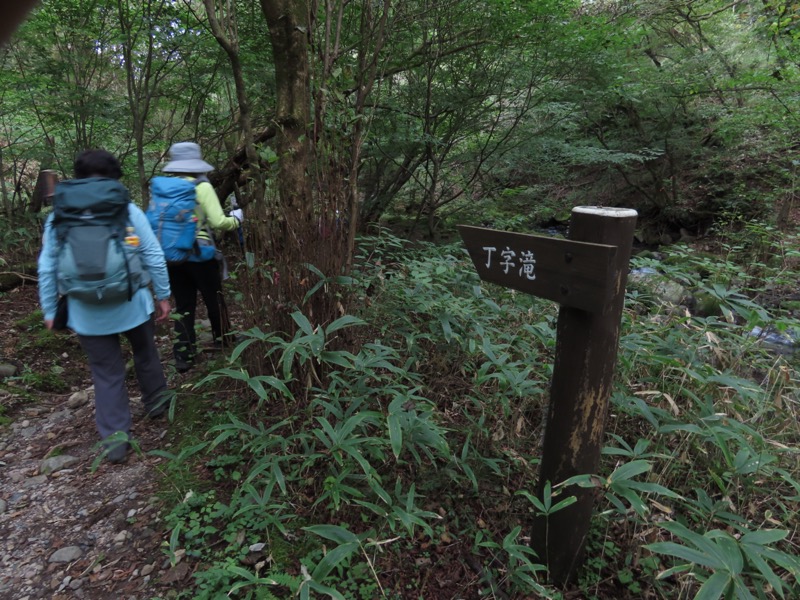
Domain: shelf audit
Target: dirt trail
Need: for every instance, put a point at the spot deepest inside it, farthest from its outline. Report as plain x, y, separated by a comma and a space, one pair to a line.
68, 530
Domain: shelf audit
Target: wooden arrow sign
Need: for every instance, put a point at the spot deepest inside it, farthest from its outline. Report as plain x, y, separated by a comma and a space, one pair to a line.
575, 274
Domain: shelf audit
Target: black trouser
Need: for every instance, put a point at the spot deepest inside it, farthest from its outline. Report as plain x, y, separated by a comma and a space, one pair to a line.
186, 280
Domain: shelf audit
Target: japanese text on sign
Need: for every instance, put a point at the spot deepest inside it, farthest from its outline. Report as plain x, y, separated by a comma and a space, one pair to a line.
509, 260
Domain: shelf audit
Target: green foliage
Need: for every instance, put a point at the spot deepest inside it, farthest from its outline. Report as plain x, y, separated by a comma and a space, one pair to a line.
709, 403
33, 321
361, 441
520, 560
190, 415
51, 380
21, 240
728, 565
362, 458
683, 115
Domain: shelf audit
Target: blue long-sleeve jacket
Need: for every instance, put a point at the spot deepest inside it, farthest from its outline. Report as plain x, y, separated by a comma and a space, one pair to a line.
104, 319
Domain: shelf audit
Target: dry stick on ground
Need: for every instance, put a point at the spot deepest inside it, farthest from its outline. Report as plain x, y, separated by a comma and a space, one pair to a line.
61, 447
11, 279
20, 275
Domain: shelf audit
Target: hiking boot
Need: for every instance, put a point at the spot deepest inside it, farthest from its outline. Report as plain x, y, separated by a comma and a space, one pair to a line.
158, 410
182, 365
118, 453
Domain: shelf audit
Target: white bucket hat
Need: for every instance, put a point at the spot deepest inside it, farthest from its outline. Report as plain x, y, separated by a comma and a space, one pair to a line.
185, 157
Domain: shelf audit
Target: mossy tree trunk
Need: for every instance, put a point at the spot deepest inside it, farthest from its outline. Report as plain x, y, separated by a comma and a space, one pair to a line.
295, 237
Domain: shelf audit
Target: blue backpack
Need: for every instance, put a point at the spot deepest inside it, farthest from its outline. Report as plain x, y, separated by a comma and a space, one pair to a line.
172, 216
96, 262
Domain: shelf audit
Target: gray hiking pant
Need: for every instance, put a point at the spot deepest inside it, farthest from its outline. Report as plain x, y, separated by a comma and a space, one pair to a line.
107, 364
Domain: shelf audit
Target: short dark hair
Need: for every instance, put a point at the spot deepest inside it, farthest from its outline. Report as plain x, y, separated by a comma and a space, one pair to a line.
97, 163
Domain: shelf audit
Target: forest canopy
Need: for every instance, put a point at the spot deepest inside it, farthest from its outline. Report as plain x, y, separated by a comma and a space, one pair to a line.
429, 111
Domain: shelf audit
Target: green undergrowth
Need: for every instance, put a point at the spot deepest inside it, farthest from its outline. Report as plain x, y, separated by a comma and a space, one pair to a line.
411, 453
39, 339
21, 239
38, 373
191, 413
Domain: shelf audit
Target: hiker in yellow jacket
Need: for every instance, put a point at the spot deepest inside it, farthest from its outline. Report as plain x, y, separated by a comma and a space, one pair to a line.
198, 274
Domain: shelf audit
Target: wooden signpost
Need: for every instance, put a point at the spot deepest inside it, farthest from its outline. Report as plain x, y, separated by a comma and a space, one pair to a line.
44, 191
586, 274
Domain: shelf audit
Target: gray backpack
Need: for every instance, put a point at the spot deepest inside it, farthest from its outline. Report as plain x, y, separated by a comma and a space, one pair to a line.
98, 262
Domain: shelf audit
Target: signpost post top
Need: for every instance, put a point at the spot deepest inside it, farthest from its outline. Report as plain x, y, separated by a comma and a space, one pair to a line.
606, 211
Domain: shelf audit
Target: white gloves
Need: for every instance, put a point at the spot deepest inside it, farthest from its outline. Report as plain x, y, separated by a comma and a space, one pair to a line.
238, 213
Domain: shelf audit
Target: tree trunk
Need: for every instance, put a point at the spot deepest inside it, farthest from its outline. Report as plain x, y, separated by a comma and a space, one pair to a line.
288, 22
13, 14
3, 189
292, 240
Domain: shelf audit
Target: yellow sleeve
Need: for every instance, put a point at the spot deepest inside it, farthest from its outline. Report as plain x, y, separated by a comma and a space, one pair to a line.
212, 210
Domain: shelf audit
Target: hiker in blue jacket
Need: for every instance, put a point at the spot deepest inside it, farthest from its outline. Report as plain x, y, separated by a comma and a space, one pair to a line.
199, 273
99, 324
